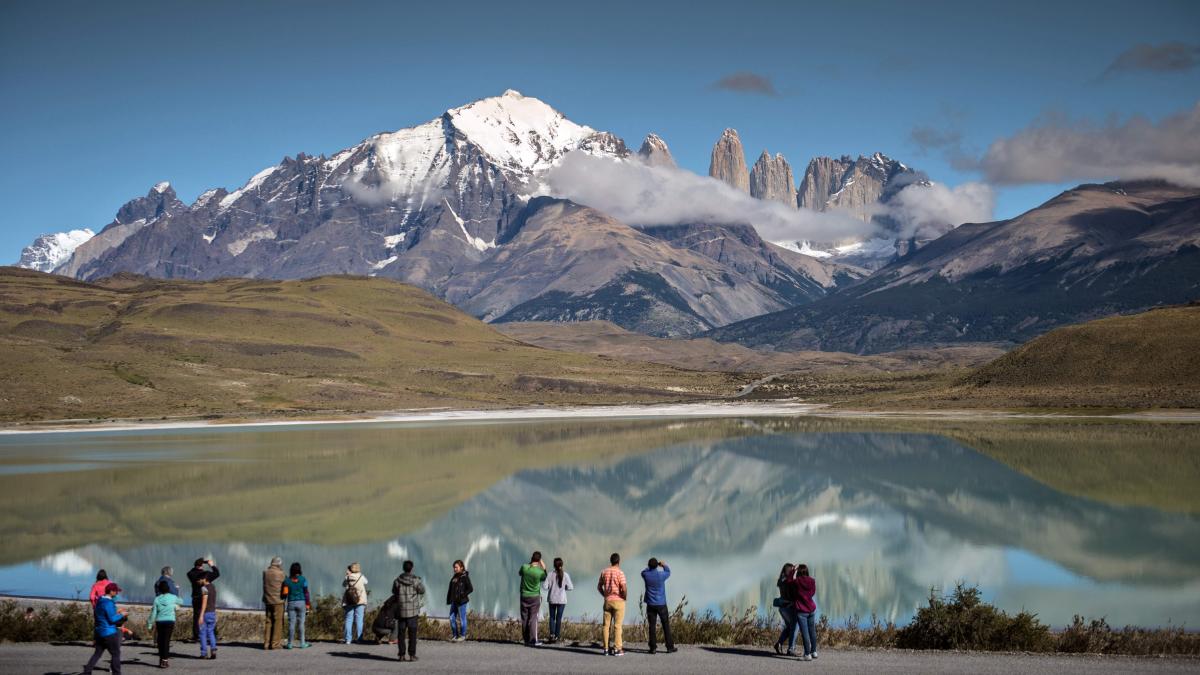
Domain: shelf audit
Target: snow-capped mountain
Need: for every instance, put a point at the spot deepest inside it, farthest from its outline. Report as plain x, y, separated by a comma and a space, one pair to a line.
442, 205
50, 250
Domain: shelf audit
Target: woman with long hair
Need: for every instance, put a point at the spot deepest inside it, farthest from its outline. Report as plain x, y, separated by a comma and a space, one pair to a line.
557, 584
786, 602
806, 614
295, 592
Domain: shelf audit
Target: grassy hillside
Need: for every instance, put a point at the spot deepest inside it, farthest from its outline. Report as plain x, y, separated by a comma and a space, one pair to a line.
134, 347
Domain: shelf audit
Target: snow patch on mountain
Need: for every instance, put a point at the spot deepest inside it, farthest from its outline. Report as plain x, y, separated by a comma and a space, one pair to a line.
51, 250
518, 133
250, 186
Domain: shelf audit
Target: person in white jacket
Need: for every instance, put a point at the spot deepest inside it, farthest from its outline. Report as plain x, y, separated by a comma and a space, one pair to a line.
557, 584
354, 601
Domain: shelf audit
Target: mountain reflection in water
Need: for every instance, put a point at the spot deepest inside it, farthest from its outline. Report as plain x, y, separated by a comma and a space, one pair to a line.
880, 515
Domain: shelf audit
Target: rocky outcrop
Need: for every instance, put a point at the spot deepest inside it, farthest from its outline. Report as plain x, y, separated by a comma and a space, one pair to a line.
159, 203
654, 151
851, 185
51, 250
771, 179
728, 161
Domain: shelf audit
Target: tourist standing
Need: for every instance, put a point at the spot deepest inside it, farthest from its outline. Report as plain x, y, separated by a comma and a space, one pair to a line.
97, 590
532, 574
295, 592
354, 601
196, 577
169, 578
655, 575
786, 602
162, 620
409, 591
108, 629
614, 591
557, 585
457, 596
806, 606
272, 598
208, 610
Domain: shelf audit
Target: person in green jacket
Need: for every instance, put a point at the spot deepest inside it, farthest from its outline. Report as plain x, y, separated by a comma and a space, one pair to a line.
532, 575
295, 592
162, 620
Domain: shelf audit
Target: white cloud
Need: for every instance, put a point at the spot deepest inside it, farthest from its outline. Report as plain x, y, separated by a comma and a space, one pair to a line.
638, 194
930, 210
1055, 149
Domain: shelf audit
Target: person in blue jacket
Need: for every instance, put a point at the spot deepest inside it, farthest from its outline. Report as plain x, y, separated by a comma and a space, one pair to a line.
108, 630
655, 575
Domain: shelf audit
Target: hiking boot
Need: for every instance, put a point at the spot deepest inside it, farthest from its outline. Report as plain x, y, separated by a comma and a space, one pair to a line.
778, 648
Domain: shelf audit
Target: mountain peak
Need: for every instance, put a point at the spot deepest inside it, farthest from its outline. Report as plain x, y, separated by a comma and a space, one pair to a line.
728, 162
654, 151
518, 132
162, 186
512, 93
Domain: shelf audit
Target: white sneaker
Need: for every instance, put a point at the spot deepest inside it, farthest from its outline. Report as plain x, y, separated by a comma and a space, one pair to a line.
814, 655
806, 657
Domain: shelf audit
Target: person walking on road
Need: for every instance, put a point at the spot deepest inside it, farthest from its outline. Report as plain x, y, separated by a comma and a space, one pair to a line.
613, 588
532, 574
409, 591
108, 629
786, 602
162, 620
354, 601
806, 611
295, 592
195, 576
557, 585
458, 595
97, 590
655, 575
272, 599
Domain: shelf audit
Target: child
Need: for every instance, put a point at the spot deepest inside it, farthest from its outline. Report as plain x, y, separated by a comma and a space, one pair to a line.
208, 620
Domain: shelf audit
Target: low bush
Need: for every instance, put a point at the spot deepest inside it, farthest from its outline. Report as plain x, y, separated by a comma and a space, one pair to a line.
964, 621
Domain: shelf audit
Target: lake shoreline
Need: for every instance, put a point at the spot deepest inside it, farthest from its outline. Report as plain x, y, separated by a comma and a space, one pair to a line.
710, 409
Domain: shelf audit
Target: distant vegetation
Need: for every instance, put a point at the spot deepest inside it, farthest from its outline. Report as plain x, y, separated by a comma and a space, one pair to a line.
960, 621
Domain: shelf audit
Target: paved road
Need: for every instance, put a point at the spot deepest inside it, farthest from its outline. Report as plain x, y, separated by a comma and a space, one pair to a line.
493, 658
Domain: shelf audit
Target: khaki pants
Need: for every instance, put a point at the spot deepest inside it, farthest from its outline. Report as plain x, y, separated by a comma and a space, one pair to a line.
273, 627
614, 615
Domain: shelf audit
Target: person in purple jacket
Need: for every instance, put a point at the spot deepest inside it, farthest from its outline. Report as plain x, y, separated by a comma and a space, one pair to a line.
806, 611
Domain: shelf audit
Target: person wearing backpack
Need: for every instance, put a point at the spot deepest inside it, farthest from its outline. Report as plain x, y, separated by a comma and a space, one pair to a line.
409, 591
295, 592
354, 601
457, 596
556, 587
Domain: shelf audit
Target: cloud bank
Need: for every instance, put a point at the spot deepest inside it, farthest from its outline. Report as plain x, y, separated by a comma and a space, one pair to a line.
639, 194
929, 210
1165, 58
1055, 149
746, 82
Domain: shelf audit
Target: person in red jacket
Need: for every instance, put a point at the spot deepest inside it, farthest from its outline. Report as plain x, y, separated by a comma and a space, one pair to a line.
806, 610
97, 591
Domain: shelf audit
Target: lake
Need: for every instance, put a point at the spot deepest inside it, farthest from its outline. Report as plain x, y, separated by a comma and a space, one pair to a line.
1058, 517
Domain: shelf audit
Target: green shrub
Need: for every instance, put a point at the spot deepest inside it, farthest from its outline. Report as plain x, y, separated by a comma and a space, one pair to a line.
964, 621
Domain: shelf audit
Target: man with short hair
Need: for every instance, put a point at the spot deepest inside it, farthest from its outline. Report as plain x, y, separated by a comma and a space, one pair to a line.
409, 592
655, 575
196, 576
614, 590
272, 598
108, 630
532, 574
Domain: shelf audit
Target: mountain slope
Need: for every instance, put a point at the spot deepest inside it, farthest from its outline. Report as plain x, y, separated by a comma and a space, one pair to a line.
51, 250
1092, 251
137, 346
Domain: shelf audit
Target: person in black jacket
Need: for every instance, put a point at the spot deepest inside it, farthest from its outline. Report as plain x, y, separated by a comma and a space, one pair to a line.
457, 596
196, 576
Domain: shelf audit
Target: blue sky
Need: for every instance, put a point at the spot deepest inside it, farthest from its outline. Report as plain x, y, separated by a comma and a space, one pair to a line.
102, 100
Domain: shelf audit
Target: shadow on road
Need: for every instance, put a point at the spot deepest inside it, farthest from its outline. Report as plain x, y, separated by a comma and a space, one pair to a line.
741, 651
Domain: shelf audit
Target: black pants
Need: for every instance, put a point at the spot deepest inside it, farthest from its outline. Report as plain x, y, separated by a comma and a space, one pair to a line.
162, 637
110, 644
409, 625
196, 618
654, 613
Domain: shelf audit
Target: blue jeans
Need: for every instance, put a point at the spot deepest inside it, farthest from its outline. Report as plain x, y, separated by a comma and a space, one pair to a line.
808, 631
208, 634
353, 614
556, 613
296, 613
788, 634
458, 620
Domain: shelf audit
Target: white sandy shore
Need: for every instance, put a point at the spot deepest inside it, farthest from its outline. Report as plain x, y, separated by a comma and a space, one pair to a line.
661, 411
